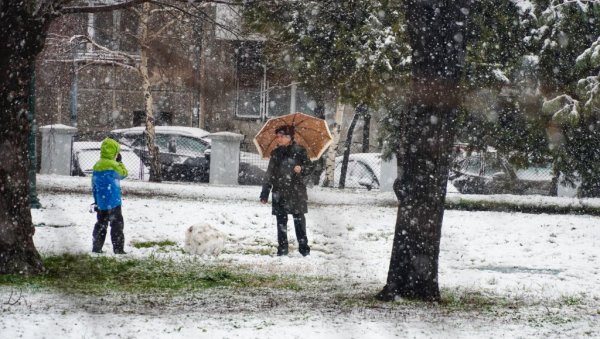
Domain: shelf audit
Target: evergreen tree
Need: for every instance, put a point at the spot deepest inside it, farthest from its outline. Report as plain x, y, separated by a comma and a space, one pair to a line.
569, 48
346, 48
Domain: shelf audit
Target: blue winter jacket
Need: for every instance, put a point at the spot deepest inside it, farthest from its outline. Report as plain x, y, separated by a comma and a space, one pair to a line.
106, 176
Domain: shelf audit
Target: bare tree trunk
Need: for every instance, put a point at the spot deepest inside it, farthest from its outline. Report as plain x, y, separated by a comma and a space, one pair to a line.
333, 149
366, 144
319, 164
348, 144
435, 33
22, 39
155, 174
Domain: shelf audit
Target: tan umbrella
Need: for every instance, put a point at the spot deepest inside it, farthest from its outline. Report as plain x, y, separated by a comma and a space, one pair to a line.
310, 132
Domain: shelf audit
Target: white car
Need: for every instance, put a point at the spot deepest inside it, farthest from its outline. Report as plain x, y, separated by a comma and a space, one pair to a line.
184, 153
364, 171
86, 153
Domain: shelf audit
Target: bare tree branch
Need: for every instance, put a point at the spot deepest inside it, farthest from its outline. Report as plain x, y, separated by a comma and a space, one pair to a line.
103, 8
108, 62
162, 29
128, 4
10, 300
109, 51
203, 16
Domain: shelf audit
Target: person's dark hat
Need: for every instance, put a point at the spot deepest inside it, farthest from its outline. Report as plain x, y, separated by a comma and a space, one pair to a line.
286, 129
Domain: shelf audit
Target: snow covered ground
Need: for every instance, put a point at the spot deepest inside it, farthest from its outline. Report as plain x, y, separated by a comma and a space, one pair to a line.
542, 270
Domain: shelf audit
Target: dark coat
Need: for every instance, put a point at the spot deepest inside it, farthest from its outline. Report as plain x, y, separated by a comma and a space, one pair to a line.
289, 189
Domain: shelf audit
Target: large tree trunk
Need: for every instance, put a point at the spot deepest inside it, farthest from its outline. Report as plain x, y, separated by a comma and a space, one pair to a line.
434, 31
155, 174
21, 39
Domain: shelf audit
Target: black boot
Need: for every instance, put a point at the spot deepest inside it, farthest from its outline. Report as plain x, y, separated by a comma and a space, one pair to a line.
282, 239
300, 226
117, 236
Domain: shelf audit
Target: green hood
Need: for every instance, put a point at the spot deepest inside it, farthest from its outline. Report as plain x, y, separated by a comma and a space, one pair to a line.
109, 149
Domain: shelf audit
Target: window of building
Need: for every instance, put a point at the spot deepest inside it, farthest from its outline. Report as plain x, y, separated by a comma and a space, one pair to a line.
116, 30
250, 74
259, 94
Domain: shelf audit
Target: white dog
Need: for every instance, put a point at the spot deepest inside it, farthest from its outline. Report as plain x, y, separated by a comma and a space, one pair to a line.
204, 239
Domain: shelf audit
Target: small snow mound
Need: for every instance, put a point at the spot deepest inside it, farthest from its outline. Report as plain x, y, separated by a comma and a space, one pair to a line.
203, 239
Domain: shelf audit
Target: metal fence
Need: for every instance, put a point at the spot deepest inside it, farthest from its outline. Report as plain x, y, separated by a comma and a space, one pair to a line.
182, 158
85, 154
363, 170
188, 159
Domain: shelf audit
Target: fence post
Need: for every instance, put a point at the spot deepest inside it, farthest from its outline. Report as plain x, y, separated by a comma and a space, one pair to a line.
389, 172
224, 158
57, 142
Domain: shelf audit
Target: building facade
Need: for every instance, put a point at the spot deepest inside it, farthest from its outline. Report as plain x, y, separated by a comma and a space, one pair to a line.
203, 74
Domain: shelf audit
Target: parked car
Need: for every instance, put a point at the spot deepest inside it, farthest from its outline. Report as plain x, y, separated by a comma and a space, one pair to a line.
490, 173
184, 154
364, 170
86, 153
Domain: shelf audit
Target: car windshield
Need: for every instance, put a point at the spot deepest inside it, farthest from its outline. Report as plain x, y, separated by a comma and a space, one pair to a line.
362, 173
190, 145
168, 143
472, 165
535, 173
493, 165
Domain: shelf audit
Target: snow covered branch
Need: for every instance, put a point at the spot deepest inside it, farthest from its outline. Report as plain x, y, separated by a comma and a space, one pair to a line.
563, 108
133, 59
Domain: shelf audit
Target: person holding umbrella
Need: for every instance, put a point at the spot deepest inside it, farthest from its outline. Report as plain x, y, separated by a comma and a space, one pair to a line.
289, 164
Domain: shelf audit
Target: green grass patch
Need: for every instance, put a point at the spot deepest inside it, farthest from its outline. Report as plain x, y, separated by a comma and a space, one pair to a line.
452, 300
504, 206
571, 300
470, 300
87, 274
149, 244
260, 251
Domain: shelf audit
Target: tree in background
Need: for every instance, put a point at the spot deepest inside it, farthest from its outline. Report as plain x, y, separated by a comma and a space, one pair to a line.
502, 109
567, 41
345, 49
157, 32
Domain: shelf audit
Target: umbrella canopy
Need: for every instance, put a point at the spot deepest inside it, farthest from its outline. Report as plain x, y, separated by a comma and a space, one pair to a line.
310, 132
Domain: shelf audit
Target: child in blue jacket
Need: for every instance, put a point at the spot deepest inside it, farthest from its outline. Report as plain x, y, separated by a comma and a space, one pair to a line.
108, 171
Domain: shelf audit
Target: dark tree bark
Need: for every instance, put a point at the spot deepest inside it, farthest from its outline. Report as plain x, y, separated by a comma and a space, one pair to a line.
358, 112
21, 39
366, 144
23, 29
435, 32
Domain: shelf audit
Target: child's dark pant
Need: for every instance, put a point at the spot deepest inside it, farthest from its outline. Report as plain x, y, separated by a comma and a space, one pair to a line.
115, 218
